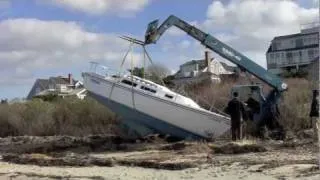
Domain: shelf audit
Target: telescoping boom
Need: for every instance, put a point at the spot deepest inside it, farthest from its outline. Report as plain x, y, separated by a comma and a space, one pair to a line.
269, 113
154, 32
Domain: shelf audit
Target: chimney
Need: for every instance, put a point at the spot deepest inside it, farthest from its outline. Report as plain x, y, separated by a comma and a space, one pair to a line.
70, 79
207, 60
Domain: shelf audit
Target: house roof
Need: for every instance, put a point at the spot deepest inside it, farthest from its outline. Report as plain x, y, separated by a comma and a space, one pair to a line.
200, 62
269, 48
61, 80
293, 35
228, 68
43, 83
202, 65
292, 49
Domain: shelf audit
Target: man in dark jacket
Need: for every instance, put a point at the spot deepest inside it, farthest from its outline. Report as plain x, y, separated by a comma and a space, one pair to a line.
236, 110
253, 106
314, 113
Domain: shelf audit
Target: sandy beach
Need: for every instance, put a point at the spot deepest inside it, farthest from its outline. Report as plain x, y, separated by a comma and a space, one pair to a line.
156, 160
232, 172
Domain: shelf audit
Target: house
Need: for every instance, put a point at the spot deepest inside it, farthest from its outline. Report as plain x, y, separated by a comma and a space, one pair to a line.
293, 52
197, 70
61, 86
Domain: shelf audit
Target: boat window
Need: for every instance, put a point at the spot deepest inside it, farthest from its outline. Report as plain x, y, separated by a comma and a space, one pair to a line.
169, 96
129, 83
148, 89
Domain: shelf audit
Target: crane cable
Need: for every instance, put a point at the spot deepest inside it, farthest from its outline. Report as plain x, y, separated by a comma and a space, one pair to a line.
132, 64
121, 66
125, 56
144, 64
145, 54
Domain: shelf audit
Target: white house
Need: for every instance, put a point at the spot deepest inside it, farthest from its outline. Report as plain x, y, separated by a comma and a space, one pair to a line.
204, 69
61, 86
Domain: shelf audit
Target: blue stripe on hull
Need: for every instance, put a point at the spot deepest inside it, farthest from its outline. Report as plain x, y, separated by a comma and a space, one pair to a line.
143, 123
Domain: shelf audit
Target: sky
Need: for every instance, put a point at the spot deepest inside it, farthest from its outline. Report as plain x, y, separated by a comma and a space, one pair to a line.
43, 38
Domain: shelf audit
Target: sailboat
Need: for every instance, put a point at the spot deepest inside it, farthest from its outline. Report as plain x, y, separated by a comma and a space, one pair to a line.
147, 107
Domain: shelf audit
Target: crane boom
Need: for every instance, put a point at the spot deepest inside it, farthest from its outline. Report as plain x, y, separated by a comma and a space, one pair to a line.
154, 32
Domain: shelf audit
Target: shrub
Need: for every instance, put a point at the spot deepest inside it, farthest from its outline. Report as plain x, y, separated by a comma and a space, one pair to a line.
48, 97
69, 116
294, 106
213, 97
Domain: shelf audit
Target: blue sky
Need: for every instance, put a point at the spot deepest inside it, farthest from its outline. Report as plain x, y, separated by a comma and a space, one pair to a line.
43, 38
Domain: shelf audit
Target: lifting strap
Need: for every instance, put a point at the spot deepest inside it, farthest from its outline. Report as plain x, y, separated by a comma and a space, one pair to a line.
132, 64
145, 56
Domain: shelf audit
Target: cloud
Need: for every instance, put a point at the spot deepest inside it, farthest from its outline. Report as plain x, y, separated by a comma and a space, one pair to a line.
28, 45
98, 7
4, 3
18, 76
250, 25
184, 44
5, 8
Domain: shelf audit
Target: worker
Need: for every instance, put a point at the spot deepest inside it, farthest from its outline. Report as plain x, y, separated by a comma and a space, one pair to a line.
314, 113
236, 110
253, 106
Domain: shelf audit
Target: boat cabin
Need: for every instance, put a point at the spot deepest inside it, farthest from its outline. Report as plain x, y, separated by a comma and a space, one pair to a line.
151, 88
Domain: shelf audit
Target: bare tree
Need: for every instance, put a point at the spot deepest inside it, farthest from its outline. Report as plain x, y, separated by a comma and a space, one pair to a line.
157, 73
158, 70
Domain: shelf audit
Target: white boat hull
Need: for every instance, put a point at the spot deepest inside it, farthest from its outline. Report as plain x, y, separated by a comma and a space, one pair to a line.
154, 113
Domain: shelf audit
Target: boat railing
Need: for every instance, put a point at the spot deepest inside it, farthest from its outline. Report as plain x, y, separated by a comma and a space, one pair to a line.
102, 70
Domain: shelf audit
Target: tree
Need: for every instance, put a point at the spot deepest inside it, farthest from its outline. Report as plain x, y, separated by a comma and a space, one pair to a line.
158, 70
168, 81
137, 71
157, 73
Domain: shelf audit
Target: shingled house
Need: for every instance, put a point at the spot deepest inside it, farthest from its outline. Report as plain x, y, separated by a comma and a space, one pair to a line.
204, 69
61, 86
294, 52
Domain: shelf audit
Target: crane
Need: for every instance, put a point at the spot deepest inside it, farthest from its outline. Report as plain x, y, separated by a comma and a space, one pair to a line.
269, 109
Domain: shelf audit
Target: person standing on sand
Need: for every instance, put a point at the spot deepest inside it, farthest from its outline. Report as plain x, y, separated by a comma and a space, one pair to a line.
314, 113
254, 107
236, 110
